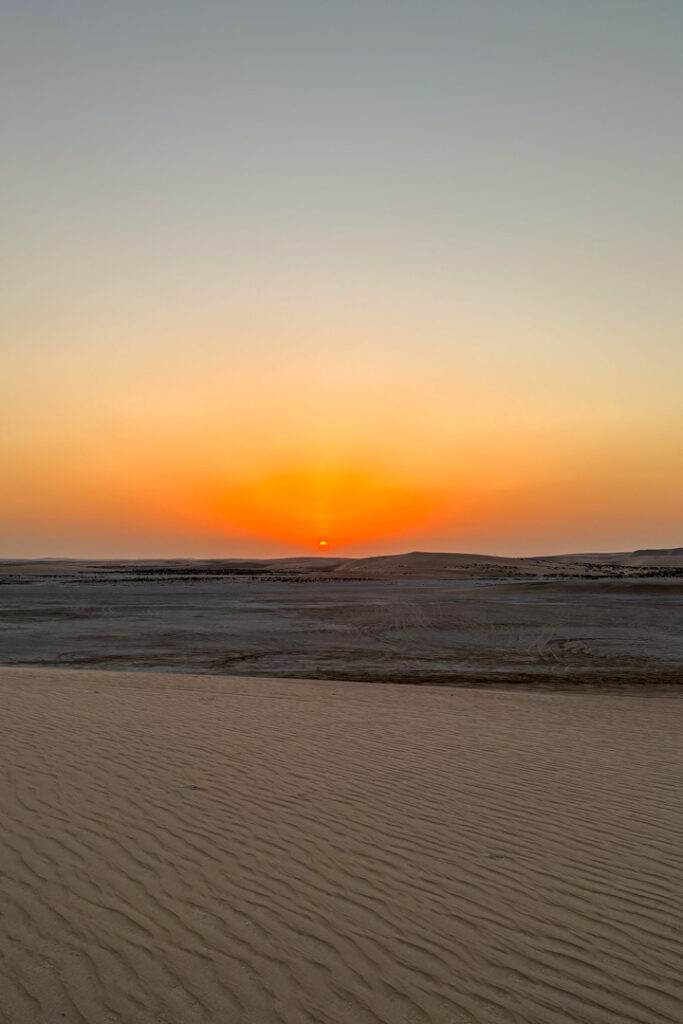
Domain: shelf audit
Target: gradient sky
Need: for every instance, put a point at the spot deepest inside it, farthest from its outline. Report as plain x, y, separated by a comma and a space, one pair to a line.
396, 274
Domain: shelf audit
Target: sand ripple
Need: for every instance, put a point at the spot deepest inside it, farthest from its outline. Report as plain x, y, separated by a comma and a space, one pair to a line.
352, 853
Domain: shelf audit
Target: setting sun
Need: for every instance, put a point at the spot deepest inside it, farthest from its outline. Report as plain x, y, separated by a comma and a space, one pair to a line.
374, 337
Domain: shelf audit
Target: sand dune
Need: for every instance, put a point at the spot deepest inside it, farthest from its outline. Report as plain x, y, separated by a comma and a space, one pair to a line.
426, 564
182, 848
415, 564
647, 558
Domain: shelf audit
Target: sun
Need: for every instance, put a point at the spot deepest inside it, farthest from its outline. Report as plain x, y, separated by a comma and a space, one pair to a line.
322, 544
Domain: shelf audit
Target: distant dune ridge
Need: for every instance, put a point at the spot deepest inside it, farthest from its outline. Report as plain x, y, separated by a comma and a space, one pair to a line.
424, 564
433, 564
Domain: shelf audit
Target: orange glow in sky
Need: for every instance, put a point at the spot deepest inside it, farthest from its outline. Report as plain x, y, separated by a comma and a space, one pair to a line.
344, 278
203, 454
344, 508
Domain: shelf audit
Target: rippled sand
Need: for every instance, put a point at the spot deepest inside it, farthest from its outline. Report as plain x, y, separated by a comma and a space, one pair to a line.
182, 848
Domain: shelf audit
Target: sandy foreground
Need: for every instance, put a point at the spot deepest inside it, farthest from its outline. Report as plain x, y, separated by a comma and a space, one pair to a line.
181, 848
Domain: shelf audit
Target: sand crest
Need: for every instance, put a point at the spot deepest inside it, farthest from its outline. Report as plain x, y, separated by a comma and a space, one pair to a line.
182, 848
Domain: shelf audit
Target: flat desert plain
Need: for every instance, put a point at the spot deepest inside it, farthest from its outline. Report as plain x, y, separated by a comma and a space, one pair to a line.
182, 848
596, 620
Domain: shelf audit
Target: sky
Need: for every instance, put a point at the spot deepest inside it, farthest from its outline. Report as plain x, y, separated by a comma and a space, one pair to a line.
393, 275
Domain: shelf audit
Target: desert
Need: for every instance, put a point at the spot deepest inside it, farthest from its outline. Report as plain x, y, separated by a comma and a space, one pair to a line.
604, 620
341, 503
212, 812
198, 848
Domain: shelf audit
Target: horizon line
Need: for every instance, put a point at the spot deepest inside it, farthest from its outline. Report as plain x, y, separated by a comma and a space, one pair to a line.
326, 556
